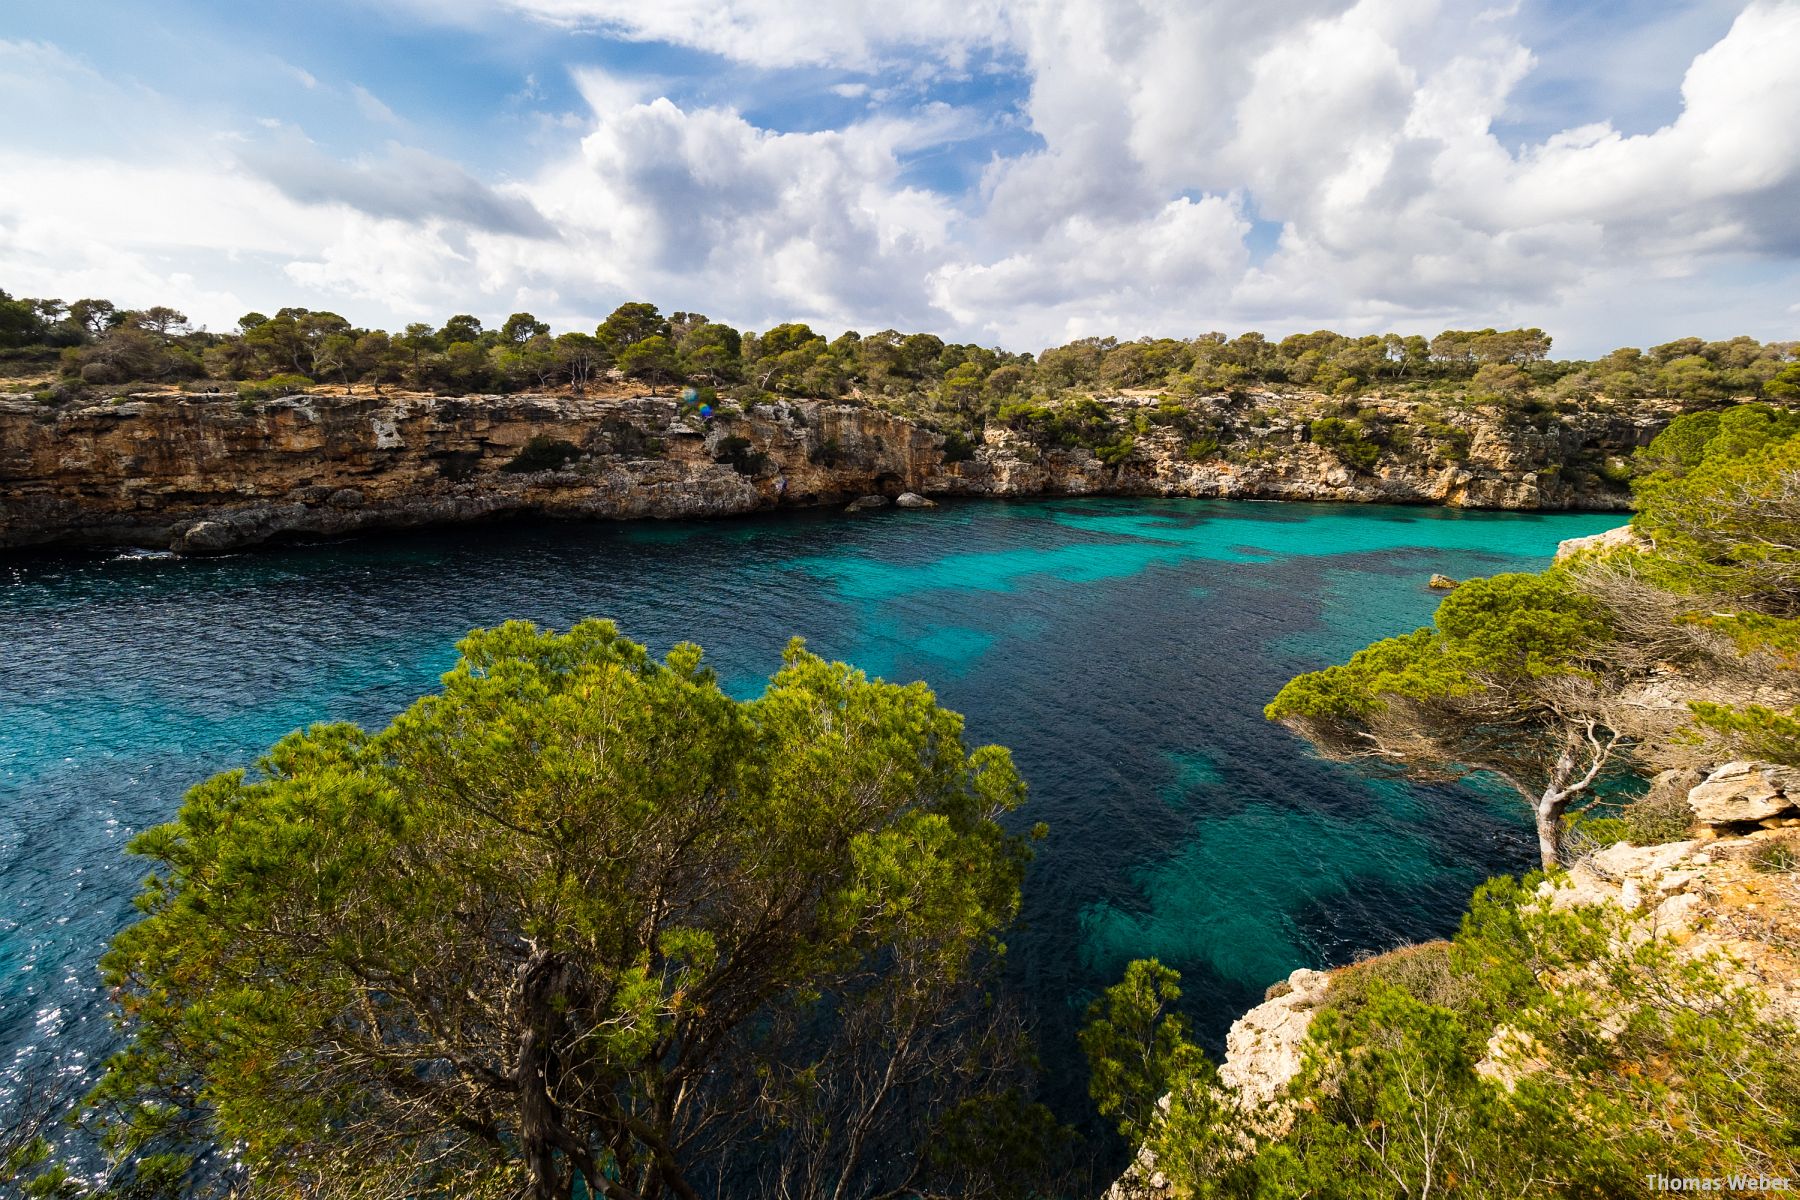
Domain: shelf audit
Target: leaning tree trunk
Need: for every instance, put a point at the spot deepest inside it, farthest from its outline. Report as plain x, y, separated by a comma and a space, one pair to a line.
1550, 809
1563, 786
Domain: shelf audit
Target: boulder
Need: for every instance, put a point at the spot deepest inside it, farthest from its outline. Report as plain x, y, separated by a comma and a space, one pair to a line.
913, 500
1740, 792
1263, 1050
862, 503
1443, 583
206, 537
1611, 539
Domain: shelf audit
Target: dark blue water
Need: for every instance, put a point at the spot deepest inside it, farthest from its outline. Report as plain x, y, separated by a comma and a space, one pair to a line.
1123, 649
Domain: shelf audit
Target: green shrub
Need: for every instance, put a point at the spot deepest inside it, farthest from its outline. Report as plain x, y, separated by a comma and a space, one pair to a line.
1114, 453
738, 453
261, 391
1201, 449
958, 447
1583, 834
1657, 818
1615, 1050
1616, 471
1422, 972
1776, 856
542, 453
1351, 441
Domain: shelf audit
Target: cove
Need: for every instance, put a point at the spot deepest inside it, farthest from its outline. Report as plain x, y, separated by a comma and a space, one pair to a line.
1122, 648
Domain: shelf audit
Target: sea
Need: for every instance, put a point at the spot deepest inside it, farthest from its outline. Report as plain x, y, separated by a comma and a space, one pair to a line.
1122, 648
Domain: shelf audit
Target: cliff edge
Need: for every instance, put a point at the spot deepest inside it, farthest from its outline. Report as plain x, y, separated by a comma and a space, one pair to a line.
1728, 893
208, 473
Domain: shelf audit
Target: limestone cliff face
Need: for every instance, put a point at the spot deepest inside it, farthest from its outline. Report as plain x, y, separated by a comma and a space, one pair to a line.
204, 473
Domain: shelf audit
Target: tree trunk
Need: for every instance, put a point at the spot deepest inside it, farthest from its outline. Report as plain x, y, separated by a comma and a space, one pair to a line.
541, 982
1549, 809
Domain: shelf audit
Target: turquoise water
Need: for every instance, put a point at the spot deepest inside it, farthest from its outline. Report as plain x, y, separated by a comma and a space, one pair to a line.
1122, 648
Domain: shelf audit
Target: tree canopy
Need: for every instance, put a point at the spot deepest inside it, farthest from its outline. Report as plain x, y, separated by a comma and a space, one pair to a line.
579, 921
1528, 677
960, 386
1509, 679
1721, 506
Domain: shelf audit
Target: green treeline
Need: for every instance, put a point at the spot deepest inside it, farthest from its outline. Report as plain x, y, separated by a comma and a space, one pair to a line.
95, 343
1549, 1049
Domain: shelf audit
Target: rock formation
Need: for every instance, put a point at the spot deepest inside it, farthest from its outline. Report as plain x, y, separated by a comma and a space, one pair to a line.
1263, 1048
1745, 793
1705, 893
1610, 539
208, 473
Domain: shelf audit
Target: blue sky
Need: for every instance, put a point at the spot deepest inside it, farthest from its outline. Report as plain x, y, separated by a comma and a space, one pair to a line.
1012, 171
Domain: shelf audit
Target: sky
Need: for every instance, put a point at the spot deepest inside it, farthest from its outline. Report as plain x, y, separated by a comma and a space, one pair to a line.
1013, 172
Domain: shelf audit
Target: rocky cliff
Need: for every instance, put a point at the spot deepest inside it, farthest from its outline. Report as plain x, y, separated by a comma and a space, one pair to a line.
201, 473
1707, 894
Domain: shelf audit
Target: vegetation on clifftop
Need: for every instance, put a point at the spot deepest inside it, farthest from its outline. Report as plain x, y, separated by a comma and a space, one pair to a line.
93, 346
1547, 1051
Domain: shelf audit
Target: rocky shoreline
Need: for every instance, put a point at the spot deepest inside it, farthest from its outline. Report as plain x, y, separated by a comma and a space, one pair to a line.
1699, 892
210, 473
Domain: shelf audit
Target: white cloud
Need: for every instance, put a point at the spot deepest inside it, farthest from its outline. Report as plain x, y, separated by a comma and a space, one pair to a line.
703, 206
403, 184
787, 33
1366, 130
371, 106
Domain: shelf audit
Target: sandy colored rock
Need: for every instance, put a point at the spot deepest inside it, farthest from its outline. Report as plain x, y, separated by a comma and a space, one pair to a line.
1742, 792
208, 474
1263, 1049
1611, 539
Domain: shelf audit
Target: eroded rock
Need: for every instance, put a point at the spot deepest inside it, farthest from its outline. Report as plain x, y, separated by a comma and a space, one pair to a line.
1263, 1049
1611, 539
165, 469
1742, 792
